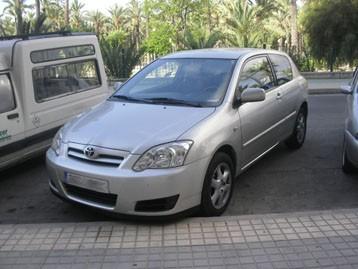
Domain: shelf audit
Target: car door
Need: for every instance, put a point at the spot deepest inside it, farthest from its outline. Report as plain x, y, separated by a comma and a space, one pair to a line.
259, 120
288, 91
11, 122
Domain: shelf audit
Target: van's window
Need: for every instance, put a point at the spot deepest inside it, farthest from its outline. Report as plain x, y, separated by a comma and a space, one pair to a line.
256, 74
57, 80
61, 53
7, 99
282, 68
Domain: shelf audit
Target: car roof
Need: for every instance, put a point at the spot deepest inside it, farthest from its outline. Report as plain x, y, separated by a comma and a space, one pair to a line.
7, 44
218, 53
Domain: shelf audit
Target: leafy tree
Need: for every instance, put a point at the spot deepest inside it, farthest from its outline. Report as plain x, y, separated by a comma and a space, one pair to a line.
332, 30
160, 40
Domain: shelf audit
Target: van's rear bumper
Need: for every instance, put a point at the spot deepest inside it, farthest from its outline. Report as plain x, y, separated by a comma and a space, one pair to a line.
153, 192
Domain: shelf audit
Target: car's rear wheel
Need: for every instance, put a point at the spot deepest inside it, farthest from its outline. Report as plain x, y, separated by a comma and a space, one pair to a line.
347, 165
297, 138
218, 185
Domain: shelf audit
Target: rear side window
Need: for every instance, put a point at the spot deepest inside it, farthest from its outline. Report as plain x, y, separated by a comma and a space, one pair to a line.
282, 68
7, 99
47, 55
256, 74
54, 81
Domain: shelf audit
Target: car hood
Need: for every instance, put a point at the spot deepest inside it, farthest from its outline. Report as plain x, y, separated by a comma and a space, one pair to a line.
133, 127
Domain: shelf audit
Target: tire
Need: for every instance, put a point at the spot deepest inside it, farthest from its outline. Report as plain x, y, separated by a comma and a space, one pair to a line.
298, 136
217, 188
347, 166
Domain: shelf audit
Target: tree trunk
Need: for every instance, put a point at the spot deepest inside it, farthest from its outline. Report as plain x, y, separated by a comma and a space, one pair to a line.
294, 32
67, 12
19, 21
38, 8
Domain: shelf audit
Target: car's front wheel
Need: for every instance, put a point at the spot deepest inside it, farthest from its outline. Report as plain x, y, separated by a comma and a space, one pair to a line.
218, 185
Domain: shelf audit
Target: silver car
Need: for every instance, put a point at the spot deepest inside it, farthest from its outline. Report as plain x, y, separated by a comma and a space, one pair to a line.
350, 145
176, 135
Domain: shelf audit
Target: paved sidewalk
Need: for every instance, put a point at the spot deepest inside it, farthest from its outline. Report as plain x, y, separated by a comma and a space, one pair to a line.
326, 239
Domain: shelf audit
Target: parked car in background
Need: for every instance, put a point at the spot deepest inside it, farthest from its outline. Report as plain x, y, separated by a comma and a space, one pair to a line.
44, 81
350, 144
176, 135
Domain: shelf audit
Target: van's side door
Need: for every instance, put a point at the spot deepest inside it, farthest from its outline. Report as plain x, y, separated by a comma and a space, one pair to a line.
259, 120
11, 120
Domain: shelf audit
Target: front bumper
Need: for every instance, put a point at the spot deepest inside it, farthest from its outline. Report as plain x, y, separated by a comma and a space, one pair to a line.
128, 187
351, 148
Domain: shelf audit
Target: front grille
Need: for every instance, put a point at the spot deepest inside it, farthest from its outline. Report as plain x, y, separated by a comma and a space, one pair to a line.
106, 199
104, 156
157, 205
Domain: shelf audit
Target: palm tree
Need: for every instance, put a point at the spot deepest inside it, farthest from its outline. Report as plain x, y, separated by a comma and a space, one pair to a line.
200, 39
54, 14
16, 8
118, 17
38, 8
120, 57
243, 25
98, 21
279, 23
135, 17
67, 12
77, 14
294, 32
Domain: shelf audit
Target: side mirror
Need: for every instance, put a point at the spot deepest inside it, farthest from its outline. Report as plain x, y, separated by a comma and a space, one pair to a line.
253, 95
117, 85
346, 89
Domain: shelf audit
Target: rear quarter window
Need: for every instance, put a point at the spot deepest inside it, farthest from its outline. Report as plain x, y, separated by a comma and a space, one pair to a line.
282, 68
54, 81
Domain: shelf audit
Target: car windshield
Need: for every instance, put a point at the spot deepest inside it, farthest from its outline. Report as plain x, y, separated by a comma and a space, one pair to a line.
188, 82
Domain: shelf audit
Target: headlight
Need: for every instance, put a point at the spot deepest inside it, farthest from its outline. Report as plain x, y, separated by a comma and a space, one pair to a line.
57, 142
164, 156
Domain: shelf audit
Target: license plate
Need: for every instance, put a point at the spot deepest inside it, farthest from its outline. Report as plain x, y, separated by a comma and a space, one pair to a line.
86, 182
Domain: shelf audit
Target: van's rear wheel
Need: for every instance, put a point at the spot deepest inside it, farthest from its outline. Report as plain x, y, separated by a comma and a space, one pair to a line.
296, 140
218, 185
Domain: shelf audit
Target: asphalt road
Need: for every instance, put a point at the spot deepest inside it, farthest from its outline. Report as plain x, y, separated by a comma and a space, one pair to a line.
283, 181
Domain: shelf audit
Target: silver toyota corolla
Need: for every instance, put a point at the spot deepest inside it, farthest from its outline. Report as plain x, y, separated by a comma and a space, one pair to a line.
350, 145
177, 134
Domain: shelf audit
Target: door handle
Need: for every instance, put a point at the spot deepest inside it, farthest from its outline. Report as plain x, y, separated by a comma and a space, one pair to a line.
12, 116
278, 96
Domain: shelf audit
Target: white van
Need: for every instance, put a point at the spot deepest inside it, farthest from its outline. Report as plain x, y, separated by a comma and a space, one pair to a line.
44, 81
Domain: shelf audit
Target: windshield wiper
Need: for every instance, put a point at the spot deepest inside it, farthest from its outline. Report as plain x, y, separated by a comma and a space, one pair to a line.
128, 98
172, 101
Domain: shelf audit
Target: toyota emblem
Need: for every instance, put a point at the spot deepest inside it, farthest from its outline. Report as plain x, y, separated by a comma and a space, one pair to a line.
90, 152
